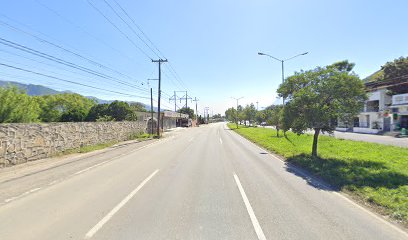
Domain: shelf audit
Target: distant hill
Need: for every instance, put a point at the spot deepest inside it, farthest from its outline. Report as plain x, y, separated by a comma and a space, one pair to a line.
39, 90
31, 89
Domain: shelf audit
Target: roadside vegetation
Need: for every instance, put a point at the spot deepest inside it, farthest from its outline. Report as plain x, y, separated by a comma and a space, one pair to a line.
18, 107
376, 174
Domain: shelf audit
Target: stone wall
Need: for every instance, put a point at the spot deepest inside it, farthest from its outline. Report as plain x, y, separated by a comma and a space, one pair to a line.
20, 143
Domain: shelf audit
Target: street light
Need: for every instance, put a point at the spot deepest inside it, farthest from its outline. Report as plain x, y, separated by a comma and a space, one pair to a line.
282, 61
237, 100
237, 107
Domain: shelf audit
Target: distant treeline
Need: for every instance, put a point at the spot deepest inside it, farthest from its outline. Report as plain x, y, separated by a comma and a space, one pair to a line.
18, 107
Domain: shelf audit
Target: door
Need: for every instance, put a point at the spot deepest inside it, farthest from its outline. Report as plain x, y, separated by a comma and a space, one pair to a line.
387, 124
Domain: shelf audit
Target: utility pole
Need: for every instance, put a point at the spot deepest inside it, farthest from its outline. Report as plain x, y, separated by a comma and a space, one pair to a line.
151, 101
256, 105
196, 100
206, 114
160, 61
151, 109
185, 97
174, 98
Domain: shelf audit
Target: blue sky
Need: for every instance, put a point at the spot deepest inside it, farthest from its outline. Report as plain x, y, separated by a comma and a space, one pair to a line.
212, 45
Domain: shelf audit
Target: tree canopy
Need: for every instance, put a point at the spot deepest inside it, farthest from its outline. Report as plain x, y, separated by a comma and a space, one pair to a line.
188, 111
17, 107
317, 97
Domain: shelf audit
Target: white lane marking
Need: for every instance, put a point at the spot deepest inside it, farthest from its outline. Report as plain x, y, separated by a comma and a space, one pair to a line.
301, 172
21, 195
191, 139
89, 168
8, 200
104, 220
251, 213
220, 140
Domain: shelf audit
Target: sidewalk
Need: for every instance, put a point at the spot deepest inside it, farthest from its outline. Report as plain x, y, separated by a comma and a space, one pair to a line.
386, 140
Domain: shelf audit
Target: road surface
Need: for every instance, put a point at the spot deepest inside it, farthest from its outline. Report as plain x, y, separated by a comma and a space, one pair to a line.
200, 183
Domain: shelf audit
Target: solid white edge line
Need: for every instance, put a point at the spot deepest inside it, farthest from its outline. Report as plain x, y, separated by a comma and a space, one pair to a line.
339, 194
254, 220
104, 220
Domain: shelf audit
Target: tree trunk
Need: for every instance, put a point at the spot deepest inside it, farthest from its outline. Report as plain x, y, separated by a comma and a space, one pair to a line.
315, 139
277, 132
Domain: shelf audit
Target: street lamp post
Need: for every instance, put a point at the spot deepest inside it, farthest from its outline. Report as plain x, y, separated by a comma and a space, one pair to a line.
237, 106
282, 62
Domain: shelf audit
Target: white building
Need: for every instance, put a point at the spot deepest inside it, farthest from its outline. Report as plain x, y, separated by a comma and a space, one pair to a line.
382, 112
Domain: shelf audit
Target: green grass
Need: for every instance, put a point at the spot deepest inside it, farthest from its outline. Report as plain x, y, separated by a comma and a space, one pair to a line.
375, 173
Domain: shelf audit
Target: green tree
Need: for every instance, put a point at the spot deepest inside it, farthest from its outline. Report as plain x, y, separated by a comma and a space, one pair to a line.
318, 96
97, 112
120, 111
188, 111
260, 117
249, 113
69, 107
397, 71
231, 115
137, 107
275, 117
17, 107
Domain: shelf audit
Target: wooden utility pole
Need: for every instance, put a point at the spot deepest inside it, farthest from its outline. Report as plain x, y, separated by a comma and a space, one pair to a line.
160, 61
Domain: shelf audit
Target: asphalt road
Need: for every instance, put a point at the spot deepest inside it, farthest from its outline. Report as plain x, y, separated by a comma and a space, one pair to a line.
200, 183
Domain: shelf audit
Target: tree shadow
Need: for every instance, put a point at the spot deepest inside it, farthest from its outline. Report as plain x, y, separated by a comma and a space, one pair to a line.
345, 174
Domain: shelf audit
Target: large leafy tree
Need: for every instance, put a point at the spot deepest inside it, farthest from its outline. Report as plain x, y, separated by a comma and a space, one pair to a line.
232, 115
67, 107
120, 111
318, 96
397, 72
188, 111
249, 112
137, 107
275, 117
17, 107
98, 112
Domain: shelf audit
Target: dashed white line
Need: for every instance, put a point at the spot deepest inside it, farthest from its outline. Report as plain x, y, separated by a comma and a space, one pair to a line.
21, 195
254, 220
220, 140
89, 168
104, 220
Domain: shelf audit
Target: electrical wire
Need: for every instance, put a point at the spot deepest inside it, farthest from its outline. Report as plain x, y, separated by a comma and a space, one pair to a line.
69, 81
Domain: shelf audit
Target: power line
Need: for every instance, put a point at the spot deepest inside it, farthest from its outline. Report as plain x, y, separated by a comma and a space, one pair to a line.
117, 28
38, 68
172, 70
69, 81
64, 49
63, 62
84, 31
127, 24
133, 21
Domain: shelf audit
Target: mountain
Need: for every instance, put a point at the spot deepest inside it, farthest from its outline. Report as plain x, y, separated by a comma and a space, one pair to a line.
38, 90
31, 89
